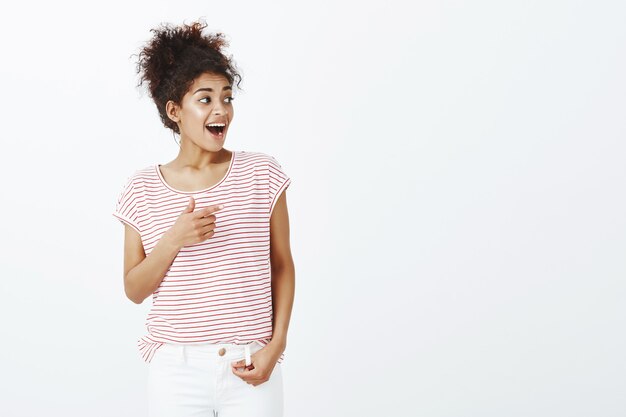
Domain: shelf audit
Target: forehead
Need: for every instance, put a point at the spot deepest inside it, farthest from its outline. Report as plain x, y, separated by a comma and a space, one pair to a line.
207, 79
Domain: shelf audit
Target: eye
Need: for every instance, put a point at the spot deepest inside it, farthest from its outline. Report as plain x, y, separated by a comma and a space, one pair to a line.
230, 99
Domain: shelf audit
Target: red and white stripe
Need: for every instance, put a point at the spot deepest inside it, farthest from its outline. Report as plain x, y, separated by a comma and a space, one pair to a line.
219, 290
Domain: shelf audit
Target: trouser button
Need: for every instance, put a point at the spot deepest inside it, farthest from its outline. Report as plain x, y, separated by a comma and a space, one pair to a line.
222, 351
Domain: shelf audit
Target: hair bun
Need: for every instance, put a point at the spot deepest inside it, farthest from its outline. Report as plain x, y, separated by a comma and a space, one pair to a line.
175, 56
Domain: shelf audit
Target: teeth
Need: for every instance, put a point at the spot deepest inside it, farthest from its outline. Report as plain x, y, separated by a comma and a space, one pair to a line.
217, 124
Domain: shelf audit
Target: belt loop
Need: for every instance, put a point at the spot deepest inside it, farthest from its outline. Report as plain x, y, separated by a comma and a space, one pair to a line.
183, 354
247, 354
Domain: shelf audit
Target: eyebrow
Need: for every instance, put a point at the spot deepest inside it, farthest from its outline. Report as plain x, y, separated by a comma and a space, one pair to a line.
228, 87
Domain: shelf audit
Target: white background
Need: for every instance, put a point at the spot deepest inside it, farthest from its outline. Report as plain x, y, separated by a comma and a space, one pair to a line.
457, 201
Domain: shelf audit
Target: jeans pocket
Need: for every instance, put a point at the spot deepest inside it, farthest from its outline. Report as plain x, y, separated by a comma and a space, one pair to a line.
164, 352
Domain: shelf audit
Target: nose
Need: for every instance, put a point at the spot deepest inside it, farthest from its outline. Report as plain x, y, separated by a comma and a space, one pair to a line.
219, 109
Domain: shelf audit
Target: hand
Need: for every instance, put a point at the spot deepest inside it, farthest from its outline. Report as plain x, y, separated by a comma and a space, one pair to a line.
261, 368
193, 227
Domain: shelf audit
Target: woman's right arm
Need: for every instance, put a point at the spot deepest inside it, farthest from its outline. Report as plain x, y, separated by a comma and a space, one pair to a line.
143, 274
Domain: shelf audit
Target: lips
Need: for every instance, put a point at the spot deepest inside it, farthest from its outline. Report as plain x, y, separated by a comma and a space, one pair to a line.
216, 130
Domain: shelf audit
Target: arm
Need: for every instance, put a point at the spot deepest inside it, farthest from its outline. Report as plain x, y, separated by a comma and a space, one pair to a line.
283, 273
143, 274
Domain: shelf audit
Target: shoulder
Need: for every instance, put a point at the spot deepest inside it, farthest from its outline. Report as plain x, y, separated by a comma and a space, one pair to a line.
257, 157
136, 179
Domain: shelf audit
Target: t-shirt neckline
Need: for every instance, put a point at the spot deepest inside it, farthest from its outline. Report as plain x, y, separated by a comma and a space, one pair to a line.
230, 168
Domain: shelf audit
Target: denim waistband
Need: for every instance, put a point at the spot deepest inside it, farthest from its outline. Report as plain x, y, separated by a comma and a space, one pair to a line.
231, 351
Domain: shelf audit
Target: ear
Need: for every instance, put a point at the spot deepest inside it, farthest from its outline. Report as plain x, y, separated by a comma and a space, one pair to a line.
171, 109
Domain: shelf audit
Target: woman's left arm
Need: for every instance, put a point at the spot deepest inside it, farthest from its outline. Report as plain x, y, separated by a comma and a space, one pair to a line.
283, 273
283, 288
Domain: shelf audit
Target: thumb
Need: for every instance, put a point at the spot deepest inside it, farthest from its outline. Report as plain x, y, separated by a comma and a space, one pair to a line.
190, 206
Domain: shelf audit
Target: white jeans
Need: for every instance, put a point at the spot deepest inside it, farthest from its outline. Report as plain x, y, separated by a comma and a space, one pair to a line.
186, 380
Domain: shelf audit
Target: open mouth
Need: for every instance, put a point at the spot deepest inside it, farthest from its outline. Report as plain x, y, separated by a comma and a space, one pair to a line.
217, 130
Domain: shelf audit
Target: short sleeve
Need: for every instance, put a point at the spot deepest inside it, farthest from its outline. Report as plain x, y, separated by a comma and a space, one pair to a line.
279, 181
126, 207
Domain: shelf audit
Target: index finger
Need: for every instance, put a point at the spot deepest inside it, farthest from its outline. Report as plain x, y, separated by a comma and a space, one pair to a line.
209, 210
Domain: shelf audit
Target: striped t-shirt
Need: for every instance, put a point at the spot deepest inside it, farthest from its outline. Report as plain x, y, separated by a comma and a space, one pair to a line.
218, 290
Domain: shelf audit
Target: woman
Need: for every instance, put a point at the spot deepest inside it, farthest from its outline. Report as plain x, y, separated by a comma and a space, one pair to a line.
207, 235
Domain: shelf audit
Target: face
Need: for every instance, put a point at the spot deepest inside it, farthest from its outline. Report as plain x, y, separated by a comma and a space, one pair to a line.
208, 102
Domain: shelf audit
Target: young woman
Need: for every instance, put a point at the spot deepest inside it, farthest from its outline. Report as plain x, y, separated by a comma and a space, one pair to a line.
207, 235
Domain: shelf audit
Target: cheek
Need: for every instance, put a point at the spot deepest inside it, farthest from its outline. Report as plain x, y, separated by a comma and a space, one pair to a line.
200, 113
195, 121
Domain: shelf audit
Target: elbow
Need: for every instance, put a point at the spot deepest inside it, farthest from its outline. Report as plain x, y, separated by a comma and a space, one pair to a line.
285, 267
136, 300
132, 295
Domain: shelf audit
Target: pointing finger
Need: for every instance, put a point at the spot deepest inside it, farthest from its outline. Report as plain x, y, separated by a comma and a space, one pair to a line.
205, 212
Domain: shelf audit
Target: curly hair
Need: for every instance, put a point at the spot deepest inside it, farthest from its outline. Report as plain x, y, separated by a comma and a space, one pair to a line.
175, 57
